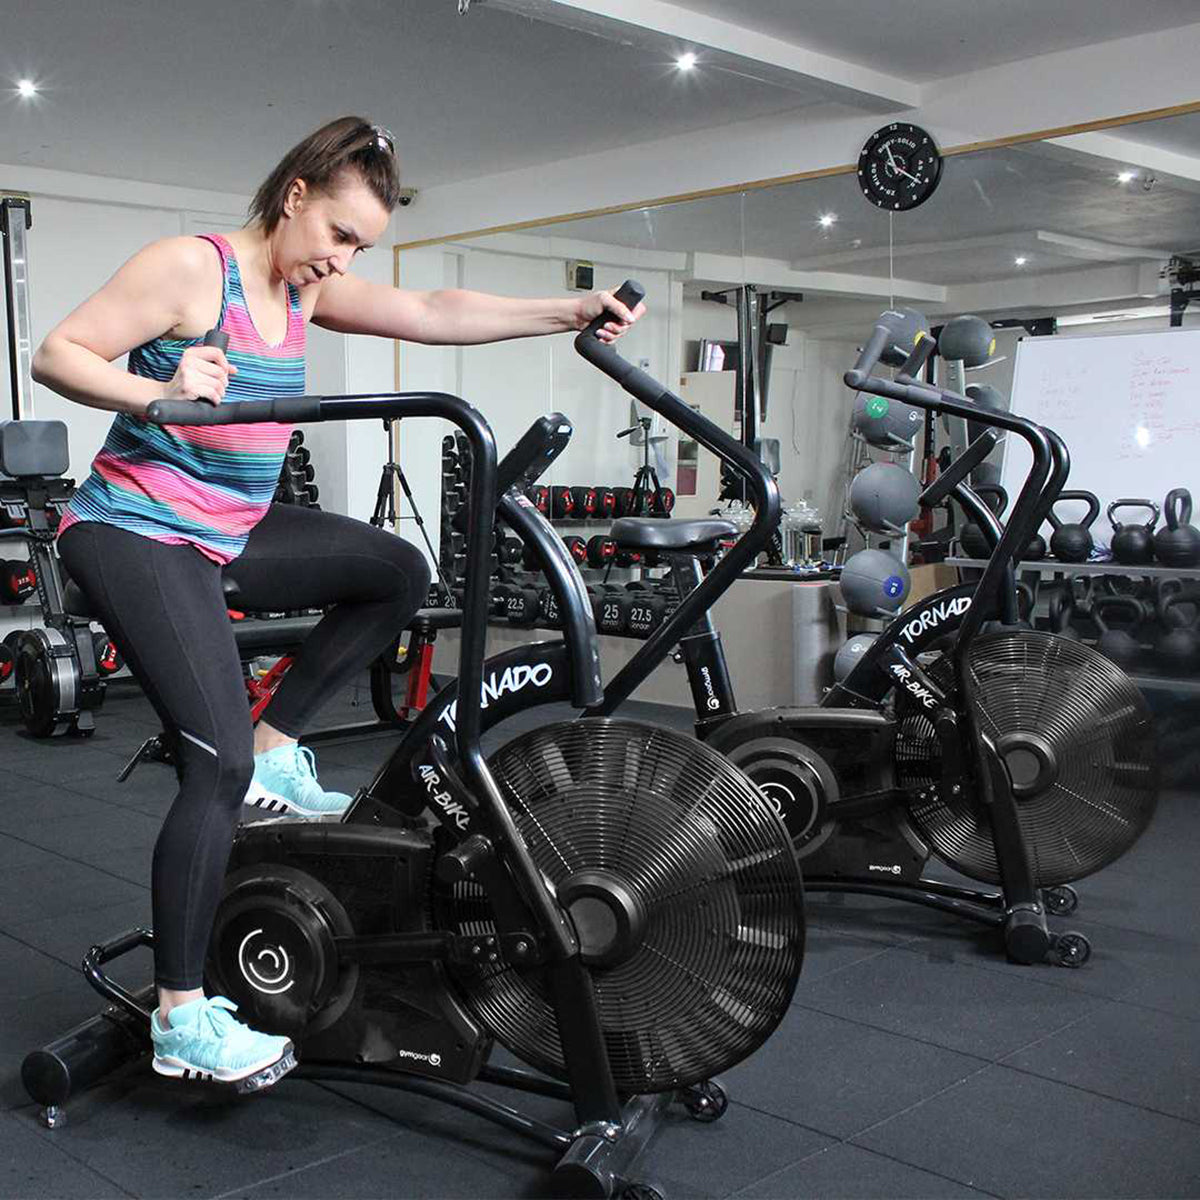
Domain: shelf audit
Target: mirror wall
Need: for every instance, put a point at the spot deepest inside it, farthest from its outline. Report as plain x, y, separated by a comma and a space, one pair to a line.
1082, 228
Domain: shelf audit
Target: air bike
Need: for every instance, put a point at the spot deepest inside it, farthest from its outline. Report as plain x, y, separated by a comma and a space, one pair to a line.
615, 903
1018, 758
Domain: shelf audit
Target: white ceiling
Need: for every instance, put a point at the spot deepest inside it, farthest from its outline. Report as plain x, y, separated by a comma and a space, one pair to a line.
924, 40
210, 97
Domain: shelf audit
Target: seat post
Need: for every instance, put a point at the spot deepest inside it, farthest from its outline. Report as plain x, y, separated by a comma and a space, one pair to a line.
703, 654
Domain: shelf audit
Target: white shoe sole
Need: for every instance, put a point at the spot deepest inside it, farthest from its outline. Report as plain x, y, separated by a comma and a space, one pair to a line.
271, 1069
258, 796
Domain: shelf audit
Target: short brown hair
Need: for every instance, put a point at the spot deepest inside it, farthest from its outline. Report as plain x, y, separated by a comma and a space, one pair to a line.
349, 143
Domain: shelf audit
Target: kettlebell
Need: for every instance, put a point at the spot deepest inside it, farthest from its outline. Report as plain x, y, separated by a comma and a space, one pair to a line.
1133, 544
1177, 646
1062, 609
1073, 543
1178, 544
973, 540
1036, 550
1118, 643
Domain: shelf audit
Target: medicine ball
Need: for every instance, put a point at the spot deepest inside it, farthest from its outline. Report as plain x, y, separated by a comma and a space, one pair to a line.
988, 397
886, 424
847, 658
883, 497
968, 340
874, 583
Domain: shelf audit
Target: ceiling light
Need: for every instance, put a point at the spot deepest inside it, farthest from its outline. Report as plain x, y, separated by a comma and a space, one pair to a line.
686, 62
1020, 260
827, 220
26, 87
1126, 176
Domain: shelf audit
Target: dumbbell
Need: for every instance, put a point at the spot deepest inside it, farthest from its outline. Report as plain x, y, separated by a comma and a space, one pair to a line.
577, 548
539, 497
584, 501
562, 503
551, 616
17, 581
522, 604
7, 661
606, 504
510, 550
601, 550
108, 657
647, 611
625, 502
662, 502
629, 558
610, 606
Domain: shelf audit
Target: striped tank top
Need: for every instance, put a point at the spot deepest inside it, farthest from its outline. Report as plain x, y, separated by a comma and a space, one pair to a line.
205, 486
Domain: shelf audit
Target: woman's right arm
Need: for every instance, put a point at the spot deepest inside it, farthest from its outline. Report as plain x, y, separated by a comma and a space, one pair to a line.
147, 297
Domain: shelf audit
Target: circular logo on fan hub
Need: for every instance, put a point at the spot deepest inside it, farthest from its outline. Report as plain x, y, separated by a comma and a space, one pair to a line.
798, 813
265, 966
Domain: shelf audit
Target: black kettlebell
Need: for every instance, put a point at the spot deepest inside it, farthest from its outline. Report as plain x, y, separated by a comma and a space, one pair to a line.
1178, 544
1073, 543
1117, 642
1036, 550
1062, 609
1133, 544
973, 540
1177, 646
1026, 599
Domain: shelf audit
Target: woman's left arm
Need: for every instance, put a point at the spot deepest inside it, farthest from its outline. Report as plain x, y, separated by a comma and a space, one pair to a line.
348, 304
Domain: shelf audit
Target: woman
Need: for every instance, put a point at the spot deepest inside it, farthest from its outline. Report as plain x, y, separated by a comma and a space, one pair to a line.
165, 509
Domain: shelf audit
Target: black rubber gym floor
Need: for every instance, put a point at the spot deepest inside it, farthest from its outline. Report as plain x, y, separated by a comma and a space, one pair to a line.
914, 1062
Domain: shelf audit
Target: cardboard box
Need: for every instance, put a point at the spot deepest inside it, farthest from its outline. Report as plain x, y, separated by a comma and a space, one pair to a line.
929, 578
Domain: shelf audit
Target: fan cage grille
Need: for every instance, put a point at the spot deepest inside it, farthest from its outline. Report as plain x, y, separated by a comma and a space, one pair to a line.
712, 867
1099, 729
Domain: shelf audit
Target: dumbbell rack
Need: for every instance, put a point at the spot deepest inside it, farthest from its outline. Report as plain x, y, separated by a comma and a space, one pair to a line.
523, 604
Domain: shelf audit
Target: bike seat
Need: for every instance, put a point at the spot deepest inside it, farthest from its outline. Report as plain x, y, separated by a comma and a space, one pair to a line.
426, 620
75, 603
660, 533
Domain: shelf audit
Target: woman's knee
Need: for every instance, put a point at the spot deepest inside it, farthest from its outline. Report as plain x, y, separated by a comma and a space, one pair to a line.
413, 574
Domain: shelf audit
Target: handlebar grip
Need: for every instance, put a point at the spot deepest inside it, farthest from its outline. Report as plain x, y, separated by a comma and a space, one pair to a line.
217, 337
286, 410
630, 293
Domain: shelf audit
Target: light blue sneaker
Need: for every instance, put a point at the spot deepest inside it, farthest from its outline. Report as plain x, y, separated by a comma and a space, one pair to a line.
202, 1040
285, 782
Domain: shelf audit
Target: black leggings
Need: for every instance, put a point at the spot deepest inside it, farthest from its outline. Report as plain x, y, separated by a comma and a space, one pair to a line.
163, 607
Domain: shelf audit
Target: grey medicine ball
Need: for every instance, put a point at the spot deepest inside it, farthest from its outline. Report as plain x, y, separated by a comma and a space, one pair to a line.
988, 397
968, 340
884, 497
847, 658
886, 424
874, 583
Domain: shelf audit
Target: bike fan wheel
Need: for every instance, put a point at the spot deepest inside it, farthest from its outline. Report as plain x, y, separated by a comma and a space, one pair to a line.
1078, 741
681, 883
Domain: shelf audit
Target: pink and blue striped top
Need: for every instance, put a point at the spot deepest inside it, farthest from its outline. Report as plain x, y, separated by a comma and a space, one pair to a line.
205, 486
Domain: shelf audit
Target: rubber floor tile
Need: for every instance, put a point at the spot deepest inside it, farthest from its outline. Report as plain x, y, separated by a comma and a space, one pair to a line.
844, 1170
837, 1077
33, 1168
1014, 1134
1143, 1057
33, 892
960, 1007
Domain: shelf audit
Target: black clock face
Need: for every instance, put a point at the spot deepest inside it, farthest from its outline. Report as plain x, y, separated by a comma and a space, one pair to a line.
899, 167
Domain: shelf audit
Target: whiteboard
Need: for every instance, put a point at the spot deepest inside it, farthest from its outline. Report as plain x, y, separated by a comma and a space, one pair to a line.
1128, 408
